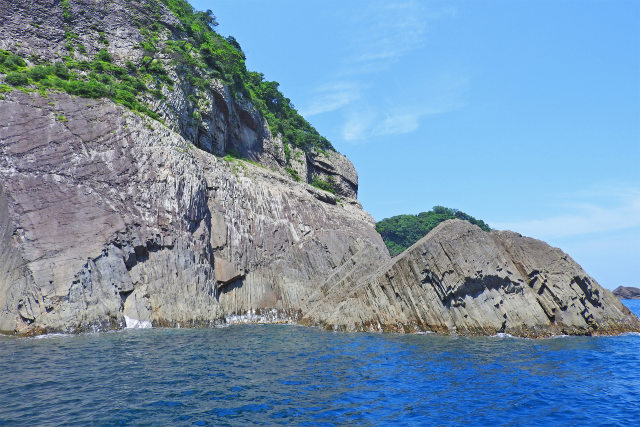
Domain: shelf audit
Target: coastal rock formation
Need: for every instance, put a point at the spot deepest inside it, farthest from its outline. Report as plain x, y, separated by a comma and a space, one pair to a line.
107, 214
109, 218
208, 117
460, 279
627, 292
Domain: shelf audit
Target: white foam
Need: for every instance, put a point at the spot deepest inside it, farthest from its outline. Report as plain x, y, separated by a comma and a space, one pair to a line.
47, 336
503, 335
272, 316
136, 324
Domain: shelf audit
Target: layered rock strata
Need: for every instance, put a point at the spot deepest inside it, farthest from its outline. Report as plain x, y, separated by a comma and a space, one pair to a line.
460, 279
108, 218
209, 118
107, 214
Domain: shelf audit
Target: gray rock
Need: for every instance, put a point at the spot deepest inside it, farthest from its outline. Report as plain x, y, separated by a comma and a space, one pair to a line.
460, 279
37, 31
110, 214
109, 219
627, 292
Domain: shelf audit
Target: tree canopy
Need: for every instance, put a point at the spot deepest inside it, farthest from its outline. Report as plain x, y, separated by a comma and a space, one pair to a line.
401, 231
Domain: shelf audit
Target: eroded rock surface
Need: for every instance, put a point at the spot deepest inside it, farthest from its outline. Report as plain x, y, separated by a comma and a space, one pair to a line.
211, 118
109, 219
106, 214
461, 279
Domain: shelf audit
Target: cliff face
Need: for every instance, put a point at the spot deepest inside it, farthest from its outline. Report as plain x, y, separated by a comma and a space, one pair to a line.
205, 115
461, 279
107, 214
109, 217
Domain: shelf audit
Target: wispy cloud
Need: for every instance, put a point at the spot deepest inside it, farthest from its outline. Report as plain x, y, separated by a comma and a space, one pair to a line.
444, 96
360, 126
391, 31
357, 125
379, 37
586, 212
332, 97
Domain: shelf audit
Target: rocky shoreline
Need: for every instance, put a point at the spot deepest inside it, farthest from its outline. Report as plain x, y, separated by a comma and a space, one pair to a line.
108, 215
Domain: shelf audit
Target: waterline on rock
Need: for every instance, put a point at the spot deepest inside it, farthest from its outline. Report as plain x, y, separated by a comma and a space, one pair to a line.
136, 324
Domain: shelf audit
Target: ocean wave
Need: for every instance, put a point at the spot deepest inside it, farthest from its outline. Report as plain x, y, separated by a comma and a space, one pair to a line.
136, 324
54, 335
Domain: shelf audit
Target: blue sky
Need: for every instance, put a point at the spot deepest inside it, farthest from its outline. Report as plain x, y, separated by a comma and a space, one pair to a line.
523, 113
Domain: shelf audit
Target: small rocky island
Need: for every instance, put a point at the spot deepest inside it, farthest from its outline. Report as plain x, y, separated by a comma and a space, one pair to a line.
627, 292
146, 176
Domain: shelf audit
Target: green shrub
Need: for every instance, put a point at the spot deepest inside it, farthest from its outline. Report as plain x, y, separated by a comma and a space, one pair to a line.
66, 10
61, 70
10, 61
294, 174
87, 89
39, 72
104, 56
17, 79
328, 186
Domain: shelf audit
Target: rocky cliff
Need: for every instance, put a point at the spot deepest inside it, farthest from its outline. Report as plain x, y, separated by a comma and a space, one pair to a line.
627, 292
109, 217
146, 40
460, 279
108, 214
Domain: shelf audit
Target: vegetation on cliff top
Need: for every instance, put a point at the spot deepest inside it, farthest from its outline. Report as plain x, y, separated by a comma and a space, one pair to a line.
198, 54
89, 79
224, 59
401, 231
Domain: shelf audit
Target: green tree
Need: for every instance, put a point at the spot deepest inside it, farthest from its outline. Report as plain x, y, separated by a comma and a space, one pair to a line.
401, 231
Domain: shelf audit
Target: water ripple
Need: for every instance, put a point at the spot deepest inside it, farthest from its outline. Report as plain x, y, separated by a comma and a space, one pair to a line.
283, 374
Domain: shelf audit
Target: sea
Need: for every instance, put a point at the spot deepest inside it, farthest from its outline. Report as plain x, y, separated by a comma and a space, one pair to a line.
294, 375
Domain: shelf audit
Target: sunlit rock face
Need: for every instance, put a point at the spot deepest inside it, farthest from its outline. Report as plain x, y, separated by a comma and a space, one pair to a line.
217, 123
109, 219
460, 279
108, 216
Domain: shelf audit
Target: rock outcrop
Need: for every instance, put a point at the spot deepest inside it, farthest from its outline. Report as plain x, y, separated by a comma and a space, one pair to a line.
209, 118
627, 292
109, 218
460, 279
107, 214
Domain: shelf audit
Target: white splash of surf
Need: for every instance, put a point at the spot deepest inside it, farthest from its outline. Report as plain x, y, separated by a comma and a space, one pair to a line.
136, 324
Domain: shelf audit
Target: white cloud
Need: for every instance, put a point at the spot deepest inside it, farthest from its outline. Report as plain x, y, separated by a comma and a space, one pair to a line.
332, 97
357, 125
389, 31
617, 209
378, 39
445, 96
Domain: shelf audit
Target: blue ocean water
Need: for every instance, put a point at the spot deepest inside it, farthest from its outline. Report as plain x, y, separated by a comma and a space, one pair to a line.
280, 374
